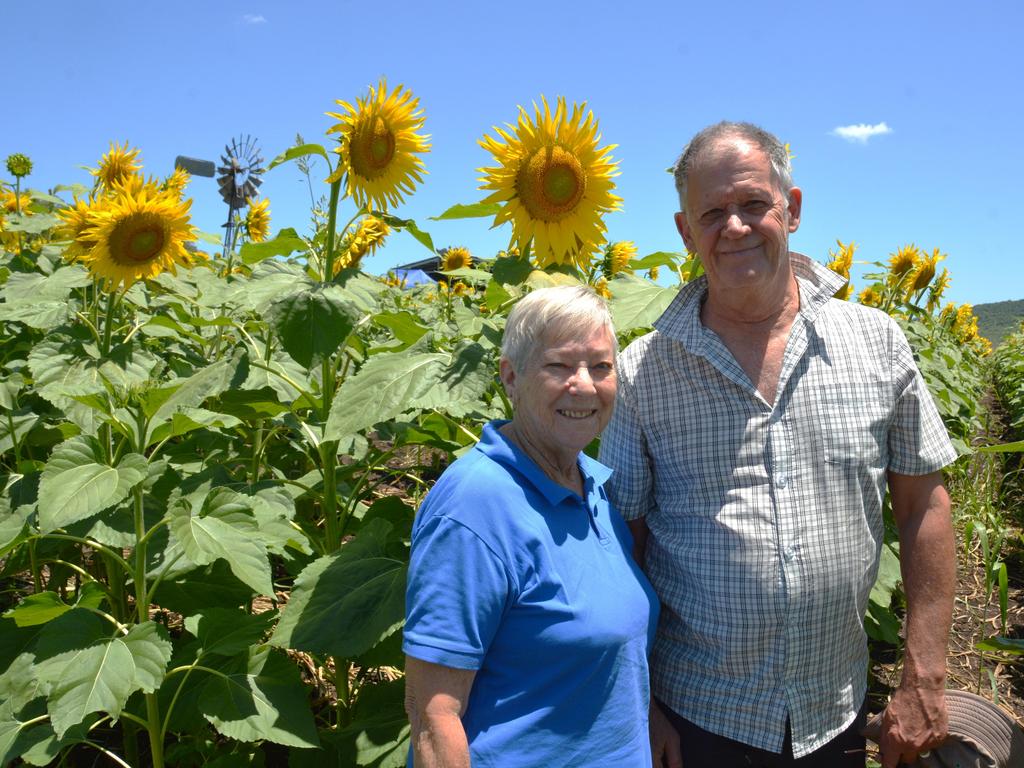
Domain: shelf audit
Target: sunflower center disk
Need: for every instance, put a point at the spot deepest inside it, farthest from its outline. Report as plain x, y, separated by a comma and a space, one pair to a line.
136, 240
551, 183
373, 147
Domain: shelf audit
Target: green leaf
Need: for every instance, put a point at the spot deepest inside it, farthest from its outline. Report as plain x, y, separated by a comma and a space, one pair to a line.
312, 324
188, 420
997, 644
471, 211
405, 326
268, 702
98, 678
18, 738
1016, 447
410, 226
287, 241
151, 650
657, 259
344, 603
75, 486
888, 578
214, 586
15, 425
228, 632
637, 303
36, 609
212, 238
383, 388
224, 532
32, 224
303, 150
509, 270
191, 392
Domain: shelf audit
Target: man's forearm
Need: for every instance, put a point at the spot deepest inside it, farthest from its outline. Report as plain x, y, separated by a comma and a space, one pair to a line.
440, 742
928, 565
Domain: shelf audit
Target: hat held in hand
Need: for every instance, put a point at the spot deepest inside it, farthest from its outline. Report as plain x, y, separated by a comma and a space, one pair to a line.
981, 735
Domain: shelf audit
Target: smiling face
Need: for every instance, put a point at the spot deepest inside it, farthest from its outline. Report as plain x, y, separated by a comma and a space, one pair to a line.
738, 219
564, 396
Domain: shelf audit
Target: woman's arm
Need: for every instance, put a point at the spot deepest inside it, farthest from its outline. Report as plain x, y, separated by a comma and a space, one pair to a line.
435, 698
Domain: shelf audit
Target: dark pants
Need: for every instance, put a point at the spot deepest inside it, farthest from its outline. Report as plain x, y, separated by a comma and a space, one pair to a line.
702, 749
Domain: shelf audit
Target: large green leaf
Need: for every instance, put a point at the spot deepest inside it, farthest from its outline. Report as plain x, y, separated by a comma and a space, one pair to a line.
266, 702
657, 259
391, 384
38, 608
287, 241
14, 425
270, 280
637, 303
32, 224
228, 631
344, 603
189, 419
75, 485
213, 586
21, 734
223, 530
191, 392
41, 314
312, 324
151, 650
98, 678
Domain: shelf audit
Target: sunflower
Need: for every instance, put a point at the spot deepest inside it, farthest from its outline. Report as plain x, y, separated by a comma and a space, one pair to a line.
652, 274
257, 220
13, 203
965, 326
617, 257
456, 258
553, 182
461, 289
925, 271
601, 288
139, 236
177, 182
939, 287
870, 297
116, 165
842, 261
903, 262
366, 239
78, 220
378, 146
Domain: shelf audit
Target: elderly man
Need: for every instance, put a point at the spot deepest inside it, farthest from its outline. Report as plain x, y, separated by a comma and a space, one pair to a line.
754, 433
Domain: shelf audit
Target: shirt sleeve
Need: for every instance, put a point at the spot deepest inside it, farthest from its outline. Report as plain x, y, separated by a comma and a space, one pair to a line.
456, 595
624, 449
918, 441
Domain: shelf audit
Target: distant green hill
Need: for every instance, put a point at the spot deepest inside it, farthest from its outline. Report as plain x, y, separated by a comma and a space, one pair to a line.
999, 319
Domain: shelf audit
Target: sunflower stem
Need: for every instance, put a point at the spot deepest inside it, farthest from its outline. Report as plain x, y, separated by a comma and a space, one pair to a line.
108, 323
332, 220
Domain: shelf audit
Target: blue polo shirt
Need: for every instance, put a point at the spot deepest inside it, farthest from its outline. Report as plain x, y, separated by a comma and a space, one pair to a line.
535, 588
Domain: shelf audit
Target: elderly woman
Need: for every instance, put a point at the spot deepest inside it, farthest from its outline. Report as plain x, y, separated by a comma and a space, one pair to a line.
527, 620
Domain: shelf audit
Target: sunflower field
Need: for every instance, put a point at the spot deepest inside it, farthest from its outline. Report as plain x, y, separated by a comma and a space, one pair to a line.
211, 462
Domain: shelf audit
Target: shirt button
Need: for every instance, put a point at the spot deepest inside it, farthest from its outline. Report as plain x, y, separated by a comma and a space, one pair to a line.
788, 554
781, 480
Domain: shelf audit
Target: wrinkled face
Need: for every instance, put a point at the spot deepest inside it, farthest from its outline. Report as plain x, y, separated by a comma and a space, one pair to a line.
564, 397
737, 219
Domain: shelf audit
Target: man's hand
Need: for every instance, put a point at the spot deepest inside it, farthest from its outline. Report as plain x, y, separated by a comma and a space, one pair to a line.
914, 722
664, 740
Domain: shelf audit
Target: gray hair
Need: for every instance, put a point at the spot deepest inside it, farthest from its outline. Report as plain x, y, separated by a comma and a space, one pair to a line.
552, 315
774, 150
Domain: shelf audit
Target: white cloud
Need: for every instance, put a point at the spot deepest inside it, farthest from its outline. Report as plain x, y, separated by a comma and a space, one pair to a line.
252, 18
860, 132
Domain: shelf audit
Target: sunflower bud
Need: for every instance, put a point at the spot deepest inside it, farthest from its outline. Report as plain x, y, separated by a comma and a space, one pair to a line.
19, 165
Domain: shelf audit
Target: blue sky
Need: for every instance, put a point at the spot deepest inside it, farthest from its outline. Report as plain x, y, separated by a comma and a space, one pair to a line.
184, 77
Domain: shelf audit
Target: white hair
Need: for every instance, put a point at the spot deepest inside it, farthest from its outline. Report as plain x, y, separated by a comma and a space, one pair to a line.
550, 315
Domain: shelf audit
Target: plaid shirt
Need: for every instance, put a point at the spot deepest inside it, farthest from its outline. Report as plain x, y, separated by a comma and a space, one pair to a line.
766, 520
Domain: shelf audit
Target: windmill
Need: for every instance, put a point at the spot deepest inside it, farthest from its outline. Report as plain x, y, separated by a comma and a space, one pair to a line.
238, 179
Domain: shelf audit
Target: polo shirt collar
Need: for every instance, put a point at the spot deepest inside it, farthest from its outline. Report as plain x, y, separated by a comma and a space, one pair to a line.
499, 448
681, 320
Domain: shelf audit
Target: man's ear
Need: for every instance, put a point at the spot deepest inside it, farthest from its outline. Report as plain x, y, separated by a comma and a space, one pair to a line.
796, 199
683, 227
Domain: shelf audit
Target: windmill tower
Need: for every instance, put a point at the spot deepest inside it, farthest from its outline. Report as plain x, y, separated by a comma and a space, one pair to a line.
238, 179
